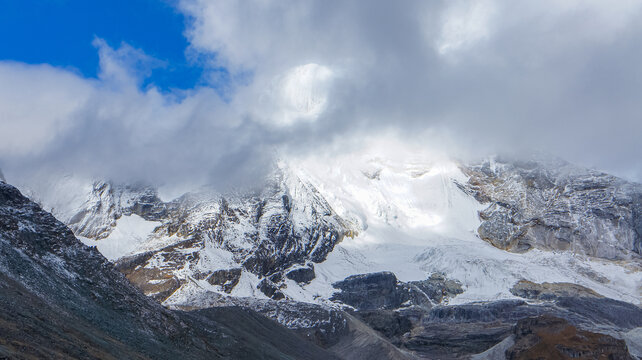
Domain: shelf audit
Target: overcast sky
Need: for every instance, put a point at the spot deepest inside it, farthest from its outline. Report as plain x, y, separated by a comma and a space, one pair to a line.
481, 77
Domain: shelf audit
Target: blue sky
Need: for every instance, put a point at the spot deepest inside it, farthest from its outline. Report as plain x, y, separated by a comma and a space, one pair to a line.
60, 33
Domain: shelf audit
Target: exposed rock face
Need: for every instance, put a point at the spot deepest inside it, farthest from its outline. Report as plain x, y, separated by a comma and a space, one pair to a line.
459, 331
438, 288
270, 289
302, 275
549, 291
547, 337
453, 332
278, 229
108, 202
363, 343
62, 299
227, 279
392, 324
378, 291
553, 205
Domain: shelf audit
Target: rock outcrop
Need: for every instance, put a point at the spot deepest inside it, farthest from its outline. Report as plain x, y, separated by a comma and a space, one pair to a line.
108, 202
547, 337
552, 205
378, 291
549, 291
460, 331
382, 291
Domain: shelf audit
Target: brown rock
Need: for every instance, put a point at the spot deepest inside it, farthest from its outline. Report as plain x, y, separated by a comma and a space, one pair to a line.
548, 337
548, 291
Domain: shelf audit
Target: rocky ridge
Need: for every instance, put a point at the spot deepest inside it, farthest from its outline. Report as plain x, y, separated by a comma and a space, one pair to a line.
62, 299
553, 205
275, 233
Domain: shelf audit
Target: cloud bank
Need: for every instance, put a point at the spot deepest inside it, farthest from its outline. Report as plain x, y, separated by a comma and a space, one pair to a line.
317, 76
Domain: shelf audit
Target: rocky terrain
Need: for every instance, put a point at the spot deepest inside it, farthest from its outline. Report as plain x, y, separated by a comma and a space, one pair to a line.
276, 233
429, 329
553, 205
554, 338
380, 259
62, 299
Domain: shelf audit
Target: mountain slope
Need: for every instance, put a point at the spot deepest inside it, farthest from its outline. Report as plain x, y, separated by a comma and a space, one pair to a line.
62, 299
217, 241
399, 240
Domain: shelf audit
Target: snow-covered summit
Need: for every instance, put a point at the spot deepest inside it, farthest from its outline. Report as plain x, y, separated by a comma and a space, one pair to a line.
387, 207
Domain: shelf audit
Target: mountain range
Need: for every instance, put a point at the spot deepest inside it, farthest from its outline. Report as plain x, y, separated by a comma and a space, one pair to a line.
365, 256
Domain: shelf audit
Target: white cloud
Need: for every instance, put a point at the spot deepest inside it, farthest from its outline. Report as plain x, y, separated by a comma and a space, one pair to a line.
528, 74
464, 24
559, 75
300, 95
37, 104
55, 120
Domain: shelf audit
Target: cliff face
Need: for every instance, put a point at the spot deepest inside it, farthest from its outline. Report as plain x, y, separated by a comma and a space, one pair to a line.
552, 205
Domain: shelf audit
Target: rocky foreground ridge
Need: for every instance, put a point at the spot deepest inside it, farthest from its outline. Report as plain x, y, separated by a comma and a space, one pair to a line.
61, 299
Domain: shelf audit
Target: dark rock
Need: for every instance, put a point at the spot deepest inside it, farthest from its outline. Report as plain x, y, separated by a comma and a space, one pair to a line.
637, 222
227, 279
501, 310
391, 324
588, 312
363, 343
450, 341
276, 278
378, 291
270, 290
454, 332
438, 288
128, 264
302, 275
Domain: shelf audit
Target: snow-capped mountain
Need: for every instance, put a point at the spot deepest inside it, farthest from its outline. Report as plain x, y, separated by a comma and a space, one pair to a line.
239, 244
63, 300
399, 237
316, 222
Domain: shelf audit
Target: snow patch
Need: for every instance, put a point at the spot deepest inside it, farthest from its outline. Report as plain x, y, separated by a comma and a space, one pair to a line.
128, 237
